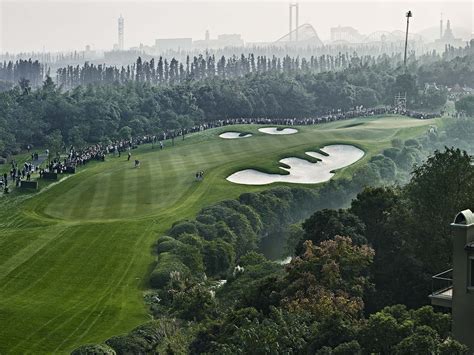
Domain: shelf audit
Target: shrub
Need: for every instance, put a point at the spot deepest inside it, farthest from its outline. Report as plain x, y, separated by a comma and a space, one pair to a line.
167, 263
183, 227
391, 153
93, 349
167, 245
143, 339
191, 239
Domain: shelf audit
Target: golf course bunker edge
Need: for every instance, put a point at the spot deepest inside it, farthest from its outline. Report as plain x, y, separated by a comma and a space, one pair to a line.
234, 135
276, 130
303, 171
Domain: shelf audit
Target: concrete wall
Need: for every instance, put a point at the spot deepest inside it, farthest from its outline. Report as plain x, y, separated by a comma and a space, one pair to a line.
463, 297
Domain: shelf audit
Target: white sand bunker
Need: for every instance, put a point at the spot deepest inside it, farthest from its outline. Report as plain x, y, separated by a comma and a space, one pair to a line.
302, 171
234, 135
275, 130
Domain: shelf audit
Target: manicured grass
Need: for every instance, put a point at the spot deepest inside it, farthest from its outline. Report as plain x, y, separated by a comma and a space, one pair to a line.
74, 258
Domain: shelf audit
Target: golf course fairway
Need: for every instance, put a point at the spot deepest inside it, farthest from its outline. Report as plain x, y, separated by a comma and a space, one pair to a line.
74, 258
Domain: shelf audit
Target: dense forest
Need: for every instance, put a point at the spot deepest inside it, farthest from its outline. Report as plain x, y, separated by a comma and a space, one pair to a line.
99, 113
345, 289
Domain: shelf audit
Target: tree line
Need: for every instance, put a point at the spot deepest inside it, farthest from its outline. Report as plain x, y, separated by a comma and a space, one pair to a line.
201, 67
23, 70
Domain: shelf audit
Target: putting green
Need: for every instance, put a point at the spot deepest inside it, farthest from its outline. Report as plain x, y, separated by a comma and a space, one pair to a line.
74, 258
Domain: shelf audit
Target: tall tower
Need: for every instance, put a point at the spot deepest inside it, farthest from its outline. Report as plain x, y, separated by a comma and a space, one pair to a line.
295, 6
120, 33
208, 36
441, 27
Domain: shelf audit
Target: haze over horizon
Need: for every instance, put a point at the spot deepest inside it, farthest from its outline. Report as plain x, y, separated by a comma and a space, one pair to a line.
35, 25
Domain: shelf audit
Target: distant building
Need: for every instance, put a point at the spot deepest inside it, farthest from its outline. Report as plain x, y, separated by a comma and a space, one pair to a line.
88, 52
117, 57
120, 33
173, 44
441, 27
229, 40
457, 92
345, 34
447, 37
454, 288
222, 41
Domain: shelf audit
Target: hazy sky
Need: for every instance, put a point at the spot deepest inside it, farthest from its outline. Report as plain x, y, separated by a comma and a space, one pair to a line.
31, 25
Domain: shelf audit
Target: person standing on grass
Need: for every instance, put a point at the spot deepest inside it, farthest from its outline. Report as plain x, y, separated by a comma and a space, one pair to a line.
5, 179
129, 156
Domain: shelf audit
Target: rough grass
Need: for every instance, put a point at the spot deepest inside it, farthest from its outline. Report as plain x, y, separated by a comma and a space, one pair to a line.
75, 258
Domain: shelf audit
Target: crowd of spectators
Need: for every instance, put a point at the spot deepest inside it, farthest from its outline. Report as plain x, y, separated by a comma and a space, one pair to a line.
334, 115
17, 174
98, 152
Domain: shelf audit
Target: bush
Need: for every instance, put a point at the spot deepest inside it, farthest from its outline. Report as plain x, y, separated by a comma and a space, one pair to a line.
391, 153
252, 258
191, 239
205, 219
164, 238
348, 348
93, 349
167, 245
412, 143
183, 227
190, 256
167, 263
143, 339
219, 257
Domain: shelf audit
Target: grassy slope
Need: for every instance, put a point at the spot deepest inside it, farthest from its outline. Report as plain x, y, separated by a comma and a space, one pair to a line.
74, 258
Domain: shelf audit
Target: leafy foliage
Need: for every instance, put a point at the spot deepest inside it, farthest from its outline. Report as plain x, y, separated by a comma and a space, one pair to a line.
466, 105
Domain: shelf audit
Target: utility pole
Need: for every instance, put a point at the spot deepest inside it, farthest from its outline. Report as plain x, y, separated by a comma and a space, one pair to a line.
408, 15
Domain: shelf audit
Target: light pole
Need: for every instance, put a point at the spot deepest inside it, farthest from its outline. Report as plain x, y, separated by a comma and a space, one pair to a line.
408, 15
